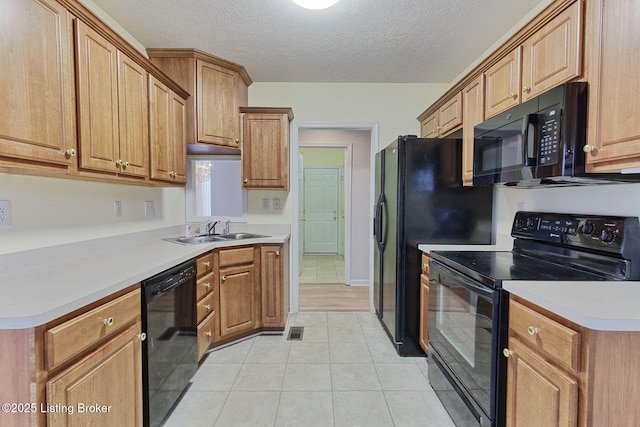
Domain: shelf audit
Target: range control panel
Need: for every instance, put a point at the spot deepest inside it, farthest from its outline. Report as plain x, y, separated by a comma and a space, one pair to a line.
600, 233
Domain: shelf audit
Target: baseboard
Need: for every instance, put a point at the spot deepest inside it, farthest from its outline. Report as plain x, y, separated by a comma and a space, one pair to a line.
359, 283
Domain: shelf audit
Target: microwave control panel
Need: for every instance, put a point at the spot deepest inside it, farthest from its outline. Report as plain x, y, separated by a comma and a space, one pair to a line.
549, 137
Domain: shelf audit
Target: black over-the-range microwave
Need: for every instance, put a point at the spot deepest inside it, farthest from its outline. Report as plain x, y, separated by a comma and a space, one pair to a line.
538, 142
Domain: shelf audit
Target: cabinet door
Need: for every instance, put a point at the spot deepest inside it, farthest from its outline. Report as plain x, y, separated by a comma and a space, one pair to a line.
553, 55
38, 117
538, 393
167, 133
614, 87
133, 101
178, 133
238, 299
265, 151
110, 377
473, 114
97, 68
429, 126
424, 312
450, 115
272, 286
217, 98
502, 84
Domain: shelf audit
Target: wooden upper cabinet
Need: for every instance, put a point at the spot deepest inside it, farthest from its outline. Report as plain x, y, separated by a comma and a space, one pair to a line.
614, 88
502, 84
133, 102
167, 131
429, 126
113, 107
218, 116
265, 147
553, 55
450, 115
447, 118
218, 88
473, 113
37, 82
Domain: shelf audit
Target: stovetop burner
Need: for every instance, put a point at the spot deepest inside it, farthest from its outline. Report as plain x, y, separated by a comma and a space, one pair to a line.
562, 247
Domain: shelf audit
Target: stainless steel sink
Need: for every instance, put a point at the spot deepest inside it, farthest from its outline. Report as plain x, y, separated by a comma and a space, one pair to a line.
213, 238
196, 240
240, 236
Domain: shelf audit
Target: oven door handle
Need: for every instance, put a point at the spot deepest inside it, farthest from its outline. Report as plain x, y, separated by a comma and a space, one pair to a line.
458, 277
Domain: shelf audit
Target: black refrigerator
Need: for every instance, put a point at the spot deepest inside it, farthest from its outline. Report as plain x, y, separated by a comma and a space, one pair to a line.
419, 199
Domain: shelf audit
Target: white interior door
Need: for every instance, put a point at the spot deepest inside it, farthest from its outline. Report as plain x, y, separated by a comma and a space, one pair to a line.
321, 210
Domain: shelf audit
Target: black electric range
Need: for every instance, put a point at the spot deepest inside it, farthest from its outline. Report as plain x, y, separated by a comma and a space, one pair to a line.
468, 309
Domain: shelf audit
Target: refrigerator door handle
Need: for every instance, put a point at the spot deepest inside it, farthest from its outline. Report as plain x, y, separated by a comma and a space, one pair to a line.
383, 228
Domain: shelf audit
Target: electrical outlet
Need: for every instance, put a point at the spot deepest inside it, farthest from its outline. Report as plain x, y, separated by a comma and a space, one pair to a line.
149, 208
5, 213
265, 204
117, 208
276, 203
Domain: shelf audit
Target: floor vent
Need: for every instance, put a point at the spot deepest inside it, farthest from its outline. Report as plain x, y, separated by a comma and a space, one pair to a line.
295, 333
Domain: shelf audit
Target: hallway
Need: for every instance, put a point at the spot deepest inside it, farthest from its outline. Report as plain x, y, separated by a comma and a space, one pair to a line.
322, 286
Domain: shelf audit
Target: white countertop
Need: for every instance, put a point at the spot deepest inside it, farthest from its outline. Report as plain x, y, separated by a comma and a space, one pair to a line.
32, 297
604, 306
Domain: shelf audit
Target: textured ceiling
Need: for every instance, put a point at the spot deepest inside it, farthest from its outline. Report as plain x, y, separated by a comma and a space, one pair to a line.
372, 41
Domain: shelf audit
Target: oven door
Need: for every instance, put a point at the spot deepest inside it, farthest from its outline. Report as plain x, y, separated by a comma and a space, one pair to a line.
467, 327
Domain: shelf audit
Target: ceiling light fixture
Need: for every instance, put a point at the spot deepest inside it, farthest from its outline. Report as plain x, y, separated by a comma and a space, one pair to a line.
315, 4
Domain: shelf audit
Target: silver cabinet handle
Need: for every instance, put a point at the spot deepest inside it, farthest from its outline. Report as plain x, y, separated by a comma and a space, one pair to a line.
71, 152
224, 278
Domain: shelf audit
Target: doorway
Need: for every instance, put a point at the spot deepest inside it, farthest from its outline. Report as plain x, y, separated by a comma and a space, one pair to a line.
360, 141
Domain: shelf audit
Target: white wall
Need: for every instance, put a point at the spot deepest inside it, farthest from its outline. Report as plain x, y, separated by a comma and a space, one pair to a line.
53, 211
394, 105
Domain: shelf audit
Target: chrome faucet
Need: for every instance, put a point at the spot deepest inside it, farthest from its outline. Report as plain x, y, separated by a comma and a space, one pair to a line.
211, 227
226, 227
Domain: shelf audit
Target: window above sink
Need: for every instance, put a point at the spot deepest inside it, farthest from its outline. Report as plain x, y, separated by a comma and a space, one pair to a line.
214, 189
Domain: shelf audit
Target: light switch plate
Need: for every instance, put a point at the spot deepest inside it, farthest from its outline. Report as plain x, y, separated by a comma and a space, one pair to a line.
265, 204
117, 208
276, 203
5, 213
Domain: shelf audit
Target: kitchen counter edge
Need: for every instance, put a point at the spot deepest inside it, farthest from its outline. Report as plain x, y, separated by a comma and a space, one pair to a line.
37, 296
601, 306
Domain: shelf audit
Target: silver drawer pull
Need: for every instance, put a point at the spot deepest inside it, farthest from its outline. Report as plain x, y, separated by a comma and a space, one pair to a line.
208, 307
507, 353
142, 336
532, 331
108, 321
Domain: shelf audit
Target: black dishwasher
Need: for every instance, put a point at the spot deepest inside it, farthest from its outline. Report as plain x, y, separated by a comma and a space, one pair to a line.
170, 352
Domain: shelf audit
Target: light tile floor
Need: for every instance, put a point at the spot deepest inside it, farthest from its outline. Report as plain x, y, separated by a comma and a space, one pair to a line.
344, 372
322, 269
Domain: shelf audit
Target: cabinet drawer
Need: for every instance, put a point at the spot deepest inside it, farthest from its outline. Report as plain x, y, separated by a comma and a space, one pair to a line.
206, 306
235, 256
207, 334
204, 264
73, 336
545, 335
204, 286
425, 263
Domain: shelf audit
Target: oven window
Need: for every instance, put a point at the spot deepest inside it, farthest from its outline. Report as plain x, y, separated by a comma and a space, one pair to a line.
460, 331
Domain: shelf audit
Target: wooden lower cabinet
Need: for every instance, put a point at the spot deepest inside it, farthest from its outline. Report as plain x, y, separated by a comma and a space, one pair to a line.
102, 389
540, 393
238, 300
424, 303
272, 286
563, 374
